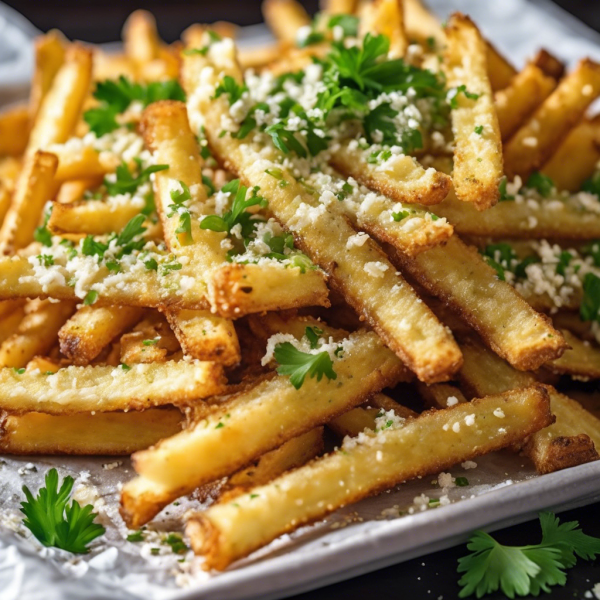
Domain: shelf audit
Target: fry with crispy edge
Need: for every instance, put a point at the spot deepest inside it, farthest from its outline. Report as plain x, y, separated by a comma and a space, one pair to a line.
428, 444
549, 64
383, 298
111, 433
140, 38
581, 360
103, 389
92, 328
385, 17
440, 395
36, 333
9, 323
477, 145
28, 201
402, 179
570, 441
577, 157
533, 144
284, 18
515, 103
5, 199
274, 410
151, 340
14, 131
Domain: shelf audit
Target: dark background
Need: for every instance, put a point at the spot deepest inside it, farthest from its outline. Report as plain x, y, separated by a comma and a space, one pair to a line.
430, 577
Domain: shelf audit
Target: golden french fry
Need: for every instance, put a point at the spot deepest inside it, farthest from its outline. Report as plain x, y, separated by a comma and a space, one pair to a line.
582, 360
9, 306
140, 38
549, 64
385, 17
43, 364
434, 441
534, 143
477, 145
83, 163
440, 395
5, 200
35, 187
499, 70
366, 369
576, 158
105, 388
258, 57
515, 103
339, 7
36, 333
150, 341
71, 191
111, 433
14, 131
92, 328
9, 323
285, 18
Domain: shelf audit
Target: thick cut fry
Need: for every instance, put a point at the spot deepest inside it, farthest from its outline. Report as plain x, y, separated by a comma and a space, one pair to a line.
461, 278
285, 18
500, 71
14, 131
140, 38
533, 144
117, 433
36, 333
477, 146
92, 328
71, 191
150, 341
549, 64
104, 389
83, 162
49, 57
566, 218
5, 199
386, 17
9, 323
36, 186
428, 444
274, 410
339, 7
582, 360
515, 103
402, 180
570, 441
258, 57
441, 395
577, 157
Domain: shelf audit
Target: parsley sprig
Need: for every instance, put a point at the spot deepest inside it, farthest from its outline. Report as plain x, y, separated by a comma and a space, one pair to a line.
54, 522
115, 96
523, 570
126, 182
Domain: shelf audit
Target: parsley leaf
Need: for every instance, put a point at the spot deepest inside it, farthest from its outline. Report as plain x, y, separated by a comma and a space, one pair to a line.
523, 570
231, 87
126, 183
479, 129
348, 23
504, 197
90, 298
540, 182
589, 309
592, 185
176, 542
454, 93
312, 334
55, 523
285, 140
42, 233
298, 364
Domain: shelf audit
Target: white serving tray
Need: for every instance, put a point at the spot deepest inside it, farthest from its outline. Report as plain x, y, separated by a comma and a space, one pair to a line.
504, 489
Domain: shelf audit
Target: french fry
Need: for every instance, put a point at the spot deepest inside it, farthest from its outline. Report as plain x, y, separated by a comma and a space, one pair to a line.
50, 51
92, 328
533, 144
515, 103
461, 278
563, 218
581, 360
72, 191
339, 7
576, 158
440, 395
92, 217
14, 131
428, 444
549, 64
105, 388
9, 306
291, 412
570, 441
43, 364
404, 180
140, 38
35, 187
151, 340
83, 162
112, 66
5, 199
477, 146
258, 57
9, 323
285, 18
111, 433
36, 333
385, 17
499, 70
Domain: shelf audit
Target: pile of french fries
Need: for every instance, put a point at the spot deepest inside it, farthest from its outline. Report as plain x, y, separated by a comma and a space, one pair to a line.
157, 262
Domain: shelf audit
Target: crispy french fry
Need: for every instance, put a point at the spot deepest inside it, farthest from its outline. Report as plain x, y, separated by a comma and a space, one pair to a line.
83, 162
150, 341
577, 157
9, 323
35, 187
565, 218
92, 328
140, 38
104, 389
366, 369
570, 441
582, 360
5, 199
461, 278
258, 57
534, 143
50, 51
441, 395
71, 191
515, 103
285, 18
339, 7
14, 131
43, 364
111, 433
499, 70
403, 179
549, 64
36, 333
9, 306
477, 146
434, 441
386, 17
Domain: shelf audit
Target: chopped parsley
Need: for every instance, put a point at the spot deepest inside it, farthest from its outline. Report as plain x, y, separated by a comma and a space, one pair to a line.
504, 196
590, 304
478, 129
176, 542
137, 536
126, 183
232, 88
348, 24
592, 185
298, 365
461, 481
90, 298
42, 233
455, 92
542, 183
179, 199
